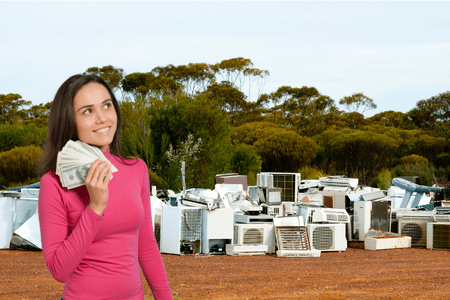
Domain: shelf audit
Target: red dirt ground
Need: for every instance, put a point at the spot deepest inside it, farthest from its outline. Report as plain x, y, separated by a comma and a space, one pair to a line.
413, 273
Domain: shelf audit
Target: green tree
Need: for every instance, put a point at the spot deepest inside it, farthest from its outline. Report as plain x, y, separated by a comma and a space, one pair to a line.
227, 97
148, 85
285, 151
356, 102
303, 108
175, 118
354, 120
136, 132
38, 115
360, 154
388, 118
112, 75
249, 133
193, 77
239, 70
433, 114
245, 160
12, 109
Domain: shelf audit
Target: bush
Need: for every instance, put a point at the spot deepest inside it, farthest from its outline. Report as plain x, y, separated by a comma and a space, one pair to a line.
383, 180
285, 151
245, 160
19, 136
442, 160
424, 171
156, 180
413, 159
308, 172
19, 165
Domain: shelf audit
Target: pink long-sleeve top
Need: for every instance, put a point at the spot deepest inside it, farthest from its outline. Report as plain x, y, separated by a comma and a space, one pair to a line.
98, 257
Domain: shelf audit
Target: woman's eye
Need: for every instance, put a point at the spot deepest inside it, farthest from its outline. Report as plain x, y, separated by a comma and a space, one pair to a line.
87, 111
107, 105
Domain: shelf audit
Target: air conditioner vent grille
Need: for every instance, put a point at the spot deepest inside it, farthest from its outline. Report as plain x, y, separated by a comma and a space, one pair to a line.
441, 236
322, 238
416, 231
442, 218
292, 238
253, 236
191, 225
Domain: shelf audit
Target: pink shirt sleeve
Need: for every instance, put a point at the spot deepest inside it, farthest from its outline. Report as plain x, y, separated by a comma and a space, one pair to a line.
149, 255
63, 250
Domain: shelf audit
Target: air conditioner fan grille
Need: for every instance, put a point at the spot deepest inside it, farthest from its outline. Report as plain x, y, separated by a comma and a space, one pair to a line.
322, 238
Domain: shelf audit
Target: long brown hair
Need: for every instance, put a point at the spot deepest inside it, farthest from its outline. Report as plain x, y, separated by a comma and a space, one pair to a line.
61, 121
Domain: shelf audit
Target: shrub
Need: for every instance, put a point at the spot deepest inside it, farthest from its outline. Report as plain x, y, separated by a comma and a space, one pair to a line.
383, 180
413, 159
442, 160
156, 180
245, 160
423, 170
285, 151
308, 172
19, 165
19, 136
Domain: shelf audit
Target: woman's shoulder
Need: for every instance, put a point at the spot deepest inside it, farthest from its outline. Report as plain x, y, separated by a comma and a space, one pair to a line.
50, 179
132, 162
49, 176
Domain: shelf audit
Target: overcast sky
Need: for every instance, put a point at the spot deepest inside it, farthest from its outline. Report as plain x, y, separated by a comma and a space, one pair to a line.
396, 53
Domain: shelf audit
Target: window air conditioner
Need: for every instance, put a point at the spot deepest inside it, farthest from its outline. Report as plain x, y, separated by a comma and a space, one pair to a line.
327, 237
438, 235
255, 233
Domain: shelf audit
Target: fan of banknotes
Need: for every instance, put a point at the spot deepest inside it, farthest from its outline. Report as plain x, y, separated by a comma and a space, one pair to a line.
73, 163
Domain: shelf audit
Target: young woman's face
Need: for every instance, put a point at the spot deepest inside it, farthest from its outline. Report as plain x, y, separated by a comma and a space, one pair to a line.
95, 116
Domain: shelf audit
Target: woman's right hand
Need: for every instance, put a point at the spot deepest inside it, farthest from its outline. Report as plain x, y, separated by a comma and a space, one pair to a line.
97, 180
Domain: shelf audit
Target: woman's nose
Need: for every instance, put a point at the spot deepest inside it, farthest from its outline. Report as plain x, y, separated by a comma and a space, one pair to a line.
101, 117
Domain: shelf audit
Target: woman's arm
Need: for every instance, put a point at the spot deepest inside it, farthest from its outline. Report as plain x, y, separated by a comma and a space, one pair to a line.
149, 255
63, 252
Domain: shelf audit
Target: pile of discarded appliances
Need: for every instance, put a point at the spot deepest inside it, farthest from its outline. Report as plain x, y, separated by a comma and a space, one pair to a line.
293, 218
281, 215
19, 220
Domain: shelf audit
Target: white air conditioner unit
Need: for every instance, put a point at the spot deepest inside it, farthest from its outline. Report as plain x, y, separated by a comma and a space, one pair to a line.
331, 215
288, 182
255, 233
438, 235
416, 229
441, 218
181, 229
292, 238
339, 181
314, 214
236, 250
264, 180
273, 210
327, 237
413, 214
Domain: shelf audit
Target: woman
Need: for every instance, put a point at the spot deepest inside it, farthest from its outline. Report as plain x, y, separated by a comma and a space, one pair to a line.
95, 237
